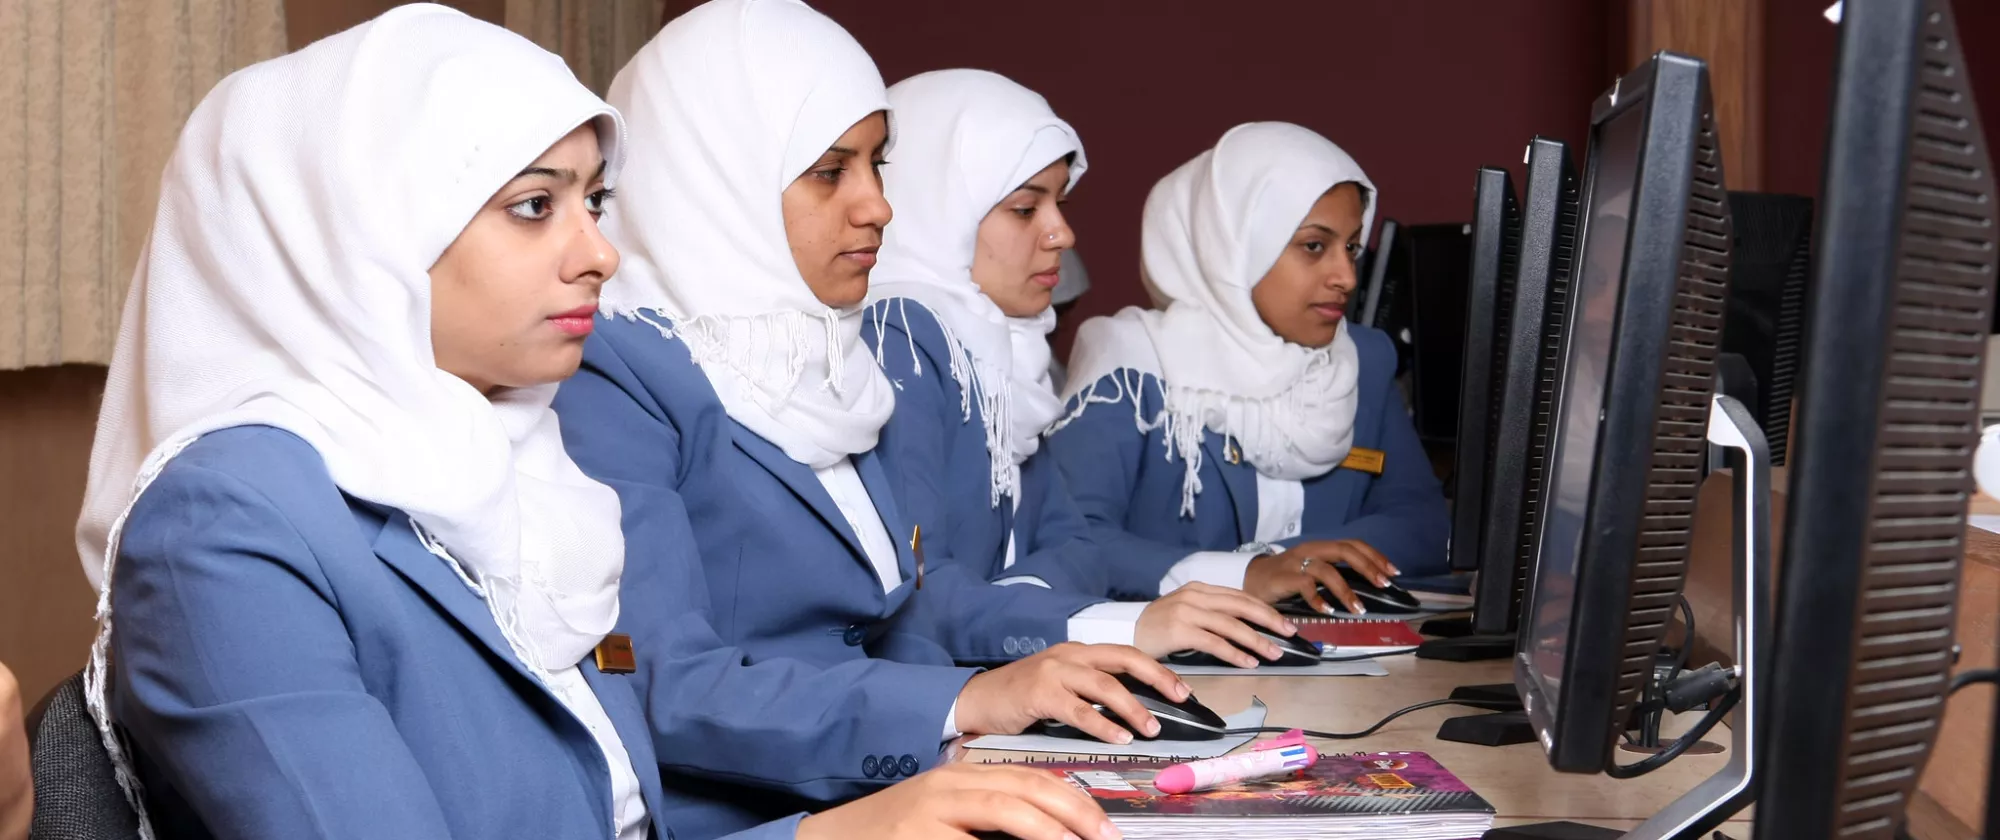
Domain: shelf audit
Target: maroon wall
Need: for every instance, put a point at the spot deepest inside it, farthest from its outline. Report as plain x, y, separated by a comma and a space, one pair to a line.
1421, 94
1800, 48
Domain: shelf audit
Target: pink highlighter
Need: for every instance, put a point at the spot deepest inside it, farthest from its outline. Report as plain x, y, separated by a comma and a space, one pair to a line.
1283, 755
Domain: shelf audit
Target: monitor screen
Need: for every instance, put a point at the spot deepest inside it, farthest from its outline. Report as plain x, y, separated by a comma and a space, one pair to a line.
1593, 316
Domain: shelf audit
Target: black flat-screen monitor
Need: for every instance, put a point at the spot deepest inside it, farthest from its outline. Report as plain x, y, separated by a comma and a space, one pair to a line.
1489, 303
1378, 271
1530, 354
1631, 410
1769, 266
1888, 418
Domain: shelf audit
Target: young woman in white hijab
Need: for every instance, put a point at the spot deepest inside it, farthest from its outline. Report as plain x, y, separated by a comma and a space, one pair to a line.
727, 396
350, 581
1287, 447
960, 323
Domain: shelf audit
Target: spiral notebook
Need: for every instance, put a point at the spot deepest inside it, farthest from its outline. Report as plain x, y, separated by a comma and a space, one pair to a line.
1404, 795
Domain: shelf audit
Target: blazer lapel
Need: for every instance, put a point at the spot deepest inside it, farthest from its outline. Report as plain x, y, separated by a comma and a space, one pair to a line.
880, 492
398, 546
621, 705
1240, 481
800, 479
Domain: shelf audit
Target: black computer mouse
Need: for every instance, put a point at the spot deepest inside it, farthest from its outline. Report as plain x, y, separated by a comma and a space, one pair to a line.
1293, 652
1377, 599
1187, 720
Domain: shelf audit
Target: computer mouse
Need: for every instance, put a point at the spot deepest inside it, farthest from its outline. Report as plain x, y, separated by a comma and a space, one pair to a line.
1293, 652
1187, 720
1377, 599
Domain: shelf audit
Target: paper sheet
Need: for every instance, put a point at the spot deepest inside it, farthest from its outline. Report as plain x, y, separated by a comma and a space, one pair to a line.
1987, 522
1249, 718
1360, 668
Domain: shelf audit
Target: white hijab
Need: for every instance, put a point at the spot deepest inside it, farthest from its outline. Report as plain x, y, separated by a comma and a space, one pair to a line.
965, 139
1212, 229
732, 102
286, 284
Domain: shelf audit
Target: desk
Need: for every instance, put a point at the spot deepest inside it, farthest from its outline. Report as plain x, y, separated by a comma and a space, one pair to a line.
1517, 779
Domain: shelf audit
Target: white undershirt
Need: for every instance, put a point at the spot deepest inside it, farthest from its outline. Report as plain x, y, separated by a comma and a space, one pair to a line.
628, 808
1281, 507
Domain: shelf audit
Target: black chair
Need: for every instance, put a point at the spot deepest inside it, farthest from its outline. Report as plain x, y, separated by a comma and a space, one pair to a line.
76, 792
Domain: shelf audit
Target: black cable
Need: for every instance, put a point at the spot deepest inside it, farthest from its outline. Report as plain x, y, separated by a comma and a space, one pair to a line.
1363, 657
1680, 745
1687, 641
1489, 705
1965, 678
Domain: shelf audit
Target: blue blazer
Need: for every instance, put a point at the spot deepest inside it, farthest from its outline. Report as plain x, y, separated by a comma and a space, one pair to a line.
938, 455
730, 544
1132, 494
289, 661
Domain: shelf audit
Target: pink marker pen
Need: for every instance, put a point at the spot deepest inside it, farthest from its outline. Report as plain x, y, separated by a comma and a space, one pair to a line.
1277, 757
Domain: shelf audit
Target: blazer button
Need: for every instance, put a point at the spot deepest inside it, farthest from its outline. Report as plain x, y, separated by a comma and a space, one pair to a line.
887, 764
1041, 644
1012, 646
908, 764
855, 635
871, 766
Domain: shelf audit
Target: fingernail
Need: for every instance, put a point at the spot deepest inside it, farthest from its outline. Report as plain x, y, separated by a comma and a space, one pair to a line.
1382, 581
1110, 832
1289, 628
1359, 609
1395, 571
1328, 609
1124, 738
1183, 689
1152, 729
1272, 652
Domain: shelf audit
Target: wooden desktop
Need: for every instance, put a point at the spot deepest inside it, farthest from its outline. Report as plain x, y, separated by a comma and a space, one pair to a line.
1516, 779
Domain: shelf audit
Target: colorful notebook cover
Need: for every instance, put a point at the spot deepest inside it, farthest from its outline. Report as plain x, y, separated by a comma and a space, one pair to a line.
1357, 785
1359, 636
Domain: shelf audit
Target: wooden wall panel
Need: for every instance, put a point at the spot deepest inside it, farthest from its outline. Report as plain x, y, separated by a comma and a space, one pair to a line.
1729, 35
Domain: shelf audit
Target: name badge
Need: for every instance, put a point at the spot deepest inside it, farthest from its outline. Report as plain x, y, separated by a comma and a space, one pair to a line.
614, 655
1364, 460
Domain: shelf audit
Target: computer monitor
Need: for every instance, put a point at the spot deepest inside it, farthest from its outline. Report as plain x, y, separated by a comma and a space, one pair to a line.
1378, 270
1489, 304
1430, 276
1888, 419
1769, 266
1632, 404
1532, 351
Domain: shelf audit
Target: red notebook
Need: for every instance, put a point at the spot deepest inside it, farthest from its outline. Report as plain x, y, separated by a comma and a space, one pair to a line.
1337, 637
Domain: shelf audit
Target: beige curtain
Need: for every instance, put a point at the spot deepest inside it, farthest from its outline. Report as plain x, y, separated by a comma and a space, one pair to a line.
92, 96
596, 37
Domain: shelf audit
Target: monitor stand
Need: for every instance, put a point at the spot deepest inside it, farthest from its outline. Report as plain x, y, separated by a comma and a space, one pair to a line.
1447, 628
1718, 797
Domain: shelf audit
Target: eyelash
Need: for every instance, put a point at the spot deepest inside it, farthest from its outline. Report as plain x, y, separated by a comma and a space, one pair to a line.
832, 176
600, 198
1029, 211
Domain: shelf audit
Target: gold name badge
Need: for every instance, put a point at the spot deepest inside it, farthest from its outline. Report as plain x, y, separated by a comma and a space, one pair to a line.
1365, 460
614, 655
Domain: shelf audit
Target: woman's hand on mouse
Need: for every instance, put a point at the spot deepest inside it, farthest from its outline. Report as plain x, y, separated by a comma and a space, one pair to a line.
1209, 619
957, 799
1061, 683
1310, 565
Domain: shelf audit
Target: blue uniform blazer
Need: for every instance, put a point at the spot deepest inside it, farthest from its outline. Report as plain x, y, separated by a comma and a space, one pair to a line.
938, 455
1131, 492
731, 543
289, 661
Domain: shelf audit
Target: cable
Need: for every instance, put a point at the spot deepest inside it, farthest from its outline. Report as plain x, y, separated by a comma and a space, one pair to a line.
1489, 705
1363, 657
1680, 745
1965, 678
1687, 641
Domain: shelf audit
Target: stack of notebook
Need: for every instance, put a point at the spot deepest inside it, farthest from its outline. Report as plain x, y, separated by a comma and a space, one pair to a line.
1363, 795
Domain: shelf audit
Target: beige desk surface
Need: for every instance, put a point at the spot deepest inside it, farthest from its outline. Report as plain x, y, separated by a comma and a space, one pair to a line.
1516, 779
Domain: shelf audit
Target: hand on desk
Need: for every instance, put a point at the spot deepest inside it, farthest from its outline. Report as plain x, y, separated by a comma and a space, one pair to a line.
957, 799
1061, 683
1310, 565
17, 786
1208, 618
